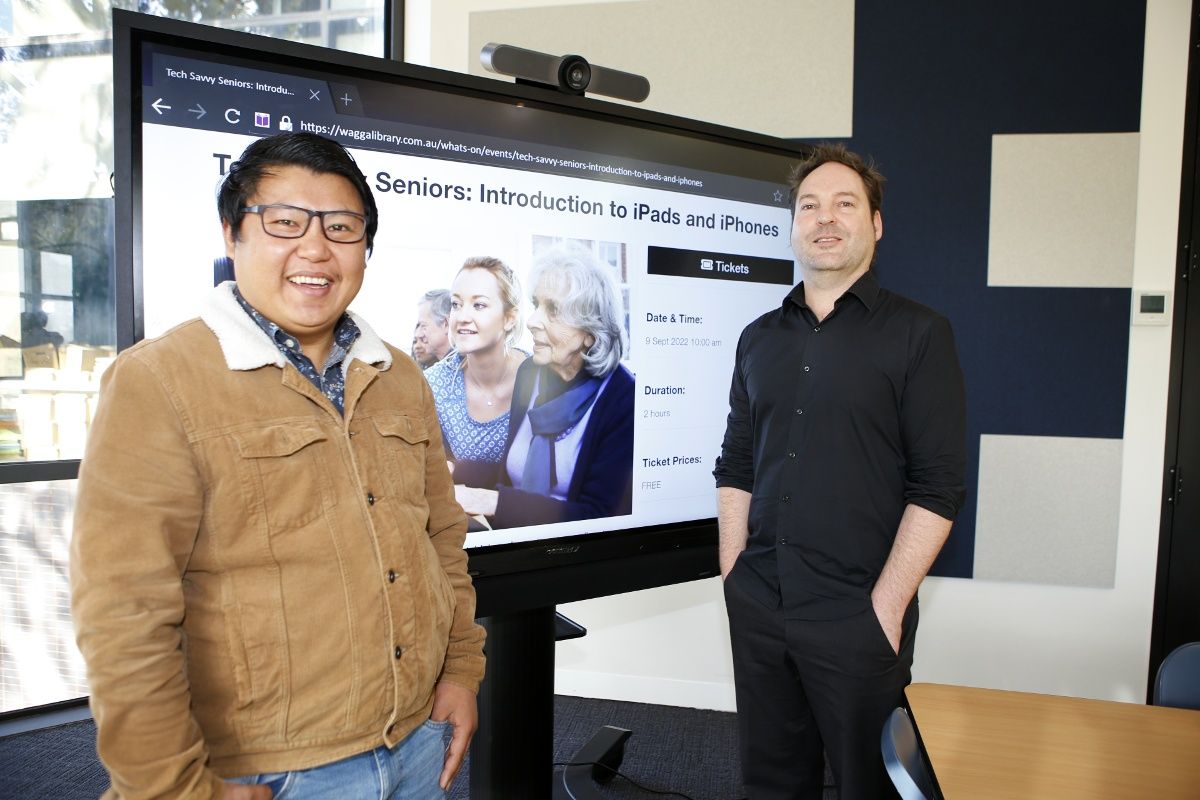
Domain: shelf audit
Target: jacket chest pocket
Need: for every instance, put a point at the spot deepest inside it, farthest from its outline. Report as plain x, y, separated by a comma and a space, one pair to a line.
404, 441
286, 474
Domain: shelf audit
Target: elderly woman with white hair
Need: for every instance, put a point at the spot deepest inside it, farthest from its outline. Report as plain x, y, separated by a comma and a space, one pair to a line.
569, 453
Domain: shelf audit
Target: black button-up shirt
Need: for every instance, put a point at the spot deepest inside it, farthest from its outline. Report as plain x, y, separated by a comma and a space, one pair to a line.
835, 426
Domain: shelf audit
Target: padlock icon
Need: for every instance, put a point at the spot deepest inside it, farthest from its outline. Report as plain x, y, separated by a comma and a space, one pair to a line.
285, 123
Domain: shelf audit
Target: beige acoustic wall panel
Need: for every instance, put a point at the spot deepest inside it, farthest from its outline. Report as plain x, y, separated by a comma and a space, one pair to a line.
780, 68
1063, 210
1048, 510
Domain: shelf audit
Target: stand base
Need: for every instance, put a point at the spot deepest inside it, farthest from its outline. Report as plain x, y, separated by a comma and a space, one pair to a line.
598, 761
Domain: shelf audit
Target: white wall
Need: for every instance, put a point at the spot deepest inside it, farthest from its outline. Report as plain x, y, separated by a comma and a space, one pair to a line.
670, 645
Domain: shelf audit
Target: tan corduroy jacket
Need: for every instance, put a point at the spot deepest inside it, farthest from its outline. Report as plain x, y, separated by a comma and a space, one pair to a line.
260, 584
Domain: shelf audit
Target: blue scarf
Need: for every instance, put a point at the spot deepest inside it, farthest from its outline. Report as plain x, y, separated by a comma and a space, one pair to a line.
547, 422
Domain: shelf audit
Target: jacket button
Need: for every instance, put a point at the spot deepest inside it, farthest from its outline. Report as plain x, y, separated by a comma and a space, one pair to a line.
398, 652
370, 499
391, 576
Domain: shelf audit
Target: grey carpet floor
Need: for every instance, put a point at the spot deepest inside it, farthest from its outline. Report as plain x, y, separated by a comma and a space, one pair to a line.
672, 749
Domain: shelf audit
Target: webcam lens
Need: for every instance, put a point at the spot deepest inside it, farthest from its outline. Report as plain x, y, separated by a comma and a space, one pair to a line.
575, 74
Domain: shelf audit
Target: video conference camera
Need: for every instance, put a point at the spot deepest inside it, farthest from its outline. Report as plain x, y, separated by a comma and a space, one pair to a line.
569, 74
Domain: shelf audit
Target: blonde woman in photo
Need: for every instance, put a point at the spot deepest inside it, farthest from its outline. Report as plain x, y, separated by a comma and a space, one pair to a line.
473, 385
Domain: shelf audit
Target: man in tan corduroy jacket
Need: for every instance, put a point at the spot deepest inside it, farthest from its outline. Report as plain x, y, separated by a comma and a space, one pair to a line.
269, 586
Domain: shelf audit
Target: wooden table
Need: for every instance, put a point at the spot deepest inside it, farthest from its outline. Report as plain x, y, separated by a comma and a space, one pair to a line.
986, 744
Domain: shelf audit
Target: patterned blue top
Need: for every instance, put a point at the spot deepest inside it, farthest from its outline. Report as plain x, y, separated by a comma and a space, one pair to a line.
330, 380
466, 439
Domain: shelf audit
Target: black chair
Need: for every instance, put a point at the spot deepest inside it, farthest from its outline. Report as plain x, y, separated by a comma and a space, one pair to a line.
1178, 681
902, 757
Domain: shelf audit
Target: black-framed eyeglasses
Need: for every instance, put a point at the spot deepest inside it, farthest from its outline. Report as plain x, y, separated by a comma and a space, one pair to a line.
290, 222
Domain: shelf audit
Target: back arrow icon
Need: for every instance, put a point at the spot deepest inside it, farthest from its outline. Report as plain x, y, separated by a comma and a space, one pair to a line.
158, 106
198, 111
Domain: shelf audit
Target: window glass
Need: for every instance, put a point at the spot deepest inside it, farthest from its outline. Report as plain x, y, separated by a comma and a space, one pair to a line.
39, 662
57, 311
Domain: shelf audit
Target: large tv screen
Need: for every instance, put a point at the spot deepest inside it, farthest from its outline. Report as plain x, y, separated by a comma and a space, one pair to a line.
689, 223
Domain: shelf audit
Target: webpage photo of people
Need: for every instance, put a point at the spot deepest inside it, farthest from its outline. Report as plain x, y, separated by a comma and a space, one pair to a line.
535, 404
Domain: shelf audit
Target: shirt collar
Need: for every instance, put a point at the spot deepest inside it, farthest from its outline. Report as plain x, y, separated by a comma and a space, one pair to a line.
344, 333
866, 289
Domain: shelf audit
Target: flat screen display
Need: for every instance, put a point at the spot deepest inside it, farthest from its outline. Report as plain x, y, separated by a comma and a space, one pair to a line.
689, 223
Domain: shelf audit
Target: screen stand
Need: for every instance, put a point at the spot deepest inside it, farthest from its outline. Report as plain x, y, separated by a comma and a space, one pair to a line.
513, 748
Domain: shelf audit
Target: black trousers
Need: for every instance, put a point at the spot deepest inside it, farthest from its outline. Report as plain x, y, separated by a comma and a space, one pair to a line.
810, 688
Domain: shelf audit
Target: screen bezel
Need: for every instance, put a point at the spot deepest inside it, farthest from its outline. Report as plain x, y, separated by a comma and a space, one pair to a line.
508, 577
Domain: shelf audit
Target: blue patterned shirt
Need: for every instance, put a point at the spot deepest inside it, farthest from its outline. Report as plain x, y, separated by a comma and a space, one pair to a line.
466, 438
329, 381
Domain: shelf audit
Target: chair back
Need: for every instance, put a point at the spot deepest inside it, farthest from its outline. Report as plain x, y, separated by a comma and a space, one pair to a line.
902, 756
1178, 681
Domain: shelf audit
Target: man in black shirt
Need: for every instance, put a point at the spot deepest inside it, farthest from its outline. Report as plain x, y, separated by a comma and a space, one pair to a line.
841, 471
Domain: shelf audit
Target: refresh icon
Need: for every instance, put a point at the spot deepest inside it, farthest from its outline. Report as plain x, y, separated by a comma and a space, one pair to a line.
233, 116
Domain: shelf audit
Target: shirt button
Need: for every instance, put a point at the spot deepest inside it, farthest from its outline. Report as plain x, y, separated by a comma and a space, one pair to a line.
391, 576
398, 652
806, 368
799, 410
783, 541
791, 455
787, 497
290, 343
817, 329
370, 499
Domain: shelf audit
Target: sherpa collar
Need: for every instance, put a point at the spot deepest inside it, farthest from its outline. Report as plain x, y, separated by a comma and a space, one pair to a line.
246, 347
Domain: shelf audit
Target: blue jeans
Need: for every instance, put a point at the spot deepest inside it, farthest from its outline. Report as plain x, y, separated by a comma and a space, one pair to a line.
408, 771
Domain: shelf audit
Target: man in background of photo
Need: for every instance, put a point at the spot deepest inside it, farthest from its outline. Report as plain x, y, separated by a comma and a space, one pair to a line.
433, 328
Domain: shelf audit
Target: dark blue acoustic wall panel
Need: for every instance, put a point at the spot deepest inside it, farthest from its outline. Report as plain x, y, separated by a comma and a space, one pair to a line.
933, 83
